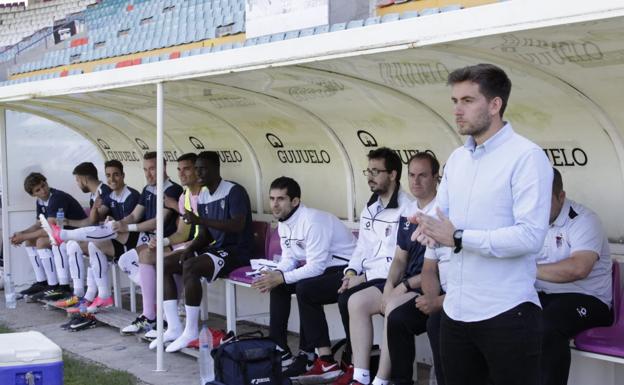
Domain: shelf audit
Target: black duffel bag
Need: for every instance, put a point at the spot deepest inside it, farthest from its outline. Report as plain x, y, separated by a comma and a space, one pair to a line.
247, 360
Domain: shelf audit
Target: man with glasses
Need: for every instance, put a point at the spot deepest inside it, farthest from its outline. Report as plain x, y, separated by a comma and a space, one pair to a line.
365, 276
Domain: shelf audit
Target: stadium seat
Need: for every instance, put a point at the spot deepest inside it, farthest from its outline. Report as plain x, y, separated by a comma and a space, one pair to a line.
408, 15
263, 39
306, 32
384, 3
355, 24
321, 29
389, 17
291, 35
239, 277
277, 37
607, 340
337, 27
429, 11
453, 7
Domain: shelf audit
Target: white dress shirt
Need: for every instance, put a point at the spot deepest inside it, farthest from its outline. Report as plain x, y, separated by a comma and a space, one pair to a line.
499, 193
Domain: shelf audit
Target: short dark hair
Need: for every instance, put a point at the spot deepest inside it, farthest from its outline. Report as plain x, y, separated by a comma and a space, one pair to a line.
289, 184
433, 161
86, 169
392, 160
210, 156
557, 182
492, 81
152, 155
113, 163
33, 179
190, 156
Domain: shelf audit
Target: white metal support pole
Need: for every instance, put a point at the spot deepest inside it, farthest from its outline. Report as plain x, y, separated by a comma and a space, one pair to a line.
4, 179
160, 164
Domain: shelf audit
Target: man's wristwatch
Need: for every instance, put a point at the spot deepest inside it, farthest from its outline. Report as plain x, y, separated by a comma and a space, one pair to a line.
457, 239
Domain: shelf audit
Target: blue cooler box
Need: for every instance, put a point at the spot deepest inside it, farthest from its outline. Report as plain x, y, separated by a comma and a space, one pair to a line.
30, 359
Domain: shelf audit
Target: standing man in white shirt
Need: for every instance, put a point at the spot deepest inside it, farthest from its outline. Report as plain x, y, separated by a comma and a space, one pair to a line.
318, 239
494, 203
573, 281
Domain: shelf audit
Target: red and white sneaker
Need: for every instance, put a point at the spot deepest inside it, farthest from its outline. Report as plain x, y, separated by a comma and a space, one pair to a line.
99, 303
321, 371
53, 231
346, 378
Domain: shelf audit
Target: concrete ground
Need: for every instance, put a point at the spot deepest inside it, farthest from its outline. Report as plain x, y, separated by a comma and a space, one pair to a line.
106, 346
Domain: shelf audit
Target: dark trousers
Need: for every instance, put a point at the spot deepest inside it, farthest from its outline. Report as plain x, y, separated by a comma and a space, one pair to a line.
312, 294
404, 322
433, 332
343, 306
566, 315
502, 350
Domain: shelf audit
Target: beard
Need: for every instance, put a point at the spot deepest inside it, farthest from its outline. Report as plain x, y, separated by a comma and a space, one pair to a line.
477, 127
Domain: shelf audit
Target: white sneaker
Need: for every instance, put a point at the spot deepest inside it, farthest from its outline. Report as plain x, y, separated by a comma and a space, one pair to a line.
152, 334
141, 323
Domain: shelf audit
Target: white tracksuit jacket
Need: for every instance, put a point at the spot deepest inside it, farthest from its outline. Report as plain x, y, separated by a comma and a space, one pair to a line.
315, 237
377, 239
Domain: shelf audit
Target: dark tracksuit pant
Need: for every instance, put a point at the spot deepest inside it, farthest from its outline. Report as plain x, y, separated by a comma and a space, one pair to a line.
404, 322
565, 315
312, 294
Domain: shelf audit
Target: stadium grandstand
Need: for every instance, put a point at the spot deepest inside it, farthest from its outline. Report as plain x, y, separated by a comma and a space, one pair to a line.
309, 89
118, 33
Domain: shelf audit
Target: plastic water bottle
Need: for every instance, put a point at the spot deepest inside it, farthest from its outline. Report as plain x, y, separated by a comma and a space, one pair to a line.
206, 362
9, 292
60, 218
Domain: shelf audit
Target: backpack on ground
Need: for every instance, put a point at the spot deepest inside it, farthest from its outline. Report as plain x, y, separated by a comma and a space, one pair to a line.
248, 360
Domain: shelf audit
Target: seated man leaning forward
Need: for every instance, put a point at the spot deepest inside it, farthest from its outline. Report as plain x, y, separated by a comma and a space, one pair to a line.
573, 281
224, 243
36, 242
325, 245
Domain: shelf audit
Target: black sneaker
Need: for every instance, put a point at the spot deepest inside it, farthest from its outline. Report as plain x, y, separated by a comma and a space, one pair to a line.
300, 365
39, 295
287, 358
86, 321
73, 319
59, 292
35, 288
